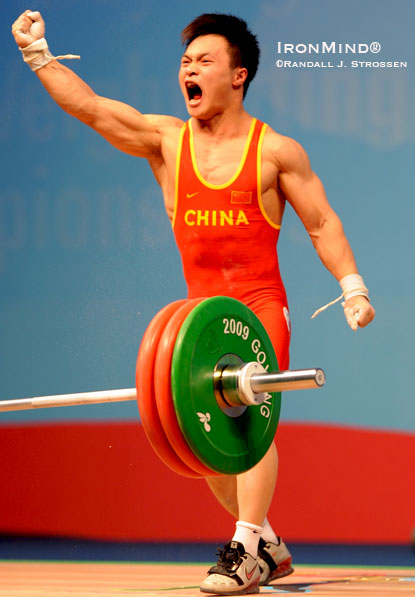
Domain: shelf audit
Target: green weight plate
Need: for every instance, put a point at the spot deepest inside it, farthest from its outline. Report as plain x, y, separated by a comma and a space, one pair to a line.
233, 440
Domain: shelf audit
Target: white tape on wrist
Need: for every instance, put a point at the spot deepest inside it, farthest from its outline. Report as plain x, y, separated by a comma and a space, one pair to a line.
351, 285
37, 54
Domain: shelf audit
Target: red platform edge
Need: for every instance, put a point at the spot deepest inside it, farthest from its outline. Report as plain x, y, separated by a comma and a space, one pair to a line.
103, 481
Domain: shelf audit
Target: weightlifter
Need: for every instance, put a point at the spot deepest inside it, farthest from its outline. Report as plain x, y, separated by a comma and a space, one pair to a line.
225, 178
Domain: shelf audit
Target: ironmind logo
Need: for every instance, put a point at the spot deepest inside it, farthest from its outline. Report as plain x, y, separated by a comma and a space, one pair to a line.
207, 217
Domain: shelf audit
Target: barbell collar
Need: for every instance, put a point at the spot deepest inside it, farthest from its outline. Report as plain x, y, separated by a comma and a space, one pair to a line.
249, 383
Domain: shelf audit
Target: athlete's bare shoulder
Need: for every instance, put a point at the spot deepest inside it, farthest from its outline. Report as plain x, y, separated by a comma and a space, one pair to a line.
164, 124
168, 129
286, 153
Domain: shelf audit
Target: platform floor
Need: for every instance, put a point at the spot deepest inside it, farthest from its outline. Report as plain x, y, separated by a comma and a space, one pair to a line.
87, 579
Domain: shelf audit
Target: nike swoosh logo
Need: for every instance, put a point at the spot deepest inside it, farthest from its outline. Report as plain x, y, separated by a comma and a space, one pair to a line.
249, 575
189, 195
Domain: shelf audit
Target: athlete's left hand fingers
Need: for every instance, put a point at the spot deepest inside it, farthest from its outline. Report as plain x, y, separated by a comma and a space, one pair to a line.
359, 312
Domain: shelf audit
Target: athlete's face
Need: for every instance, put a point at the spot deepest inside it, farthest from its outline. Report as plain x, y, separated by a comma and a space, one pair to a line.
207, 79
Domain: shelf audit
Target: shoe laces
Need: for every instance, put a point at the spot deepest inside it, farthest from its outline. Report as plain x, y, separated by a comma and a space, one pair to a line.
228, 558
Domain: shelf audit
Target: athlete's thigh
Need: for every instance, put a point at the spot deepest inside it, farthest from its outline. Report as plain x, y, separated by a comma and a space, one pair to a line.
276, 320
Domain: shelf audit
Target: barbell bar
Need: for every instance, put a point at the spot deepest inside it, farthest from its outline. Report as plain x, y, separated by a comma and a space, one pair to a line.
99, 397
281, 381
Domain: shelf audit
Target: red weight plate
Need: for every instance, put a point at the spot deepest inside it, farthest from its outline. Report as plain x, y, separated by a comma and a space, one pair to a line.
146, 396
162, 385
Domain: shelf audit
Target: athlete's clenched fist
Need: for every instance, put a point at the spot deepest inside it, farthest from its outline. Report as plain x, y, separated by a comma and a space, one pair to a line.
28, 28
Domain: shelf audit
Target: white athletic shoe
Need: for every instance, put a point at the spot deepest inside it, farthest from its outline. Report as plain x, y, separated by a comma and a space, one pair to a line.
274, 561
236, 573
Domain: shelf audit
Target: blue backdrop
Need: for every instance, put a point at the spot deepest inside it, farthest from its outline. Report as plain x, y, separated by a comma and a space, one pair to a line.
87, 255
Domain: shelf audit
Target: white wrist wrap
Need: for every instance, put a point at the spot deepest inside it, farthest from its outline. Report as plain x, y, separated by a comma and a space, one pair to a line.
37, 54
351, 285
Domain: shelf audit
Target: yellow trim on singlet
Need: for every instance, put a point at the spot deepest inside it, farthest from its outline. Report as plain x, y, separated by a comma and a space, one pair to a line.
259, 180
239, 169
176, 182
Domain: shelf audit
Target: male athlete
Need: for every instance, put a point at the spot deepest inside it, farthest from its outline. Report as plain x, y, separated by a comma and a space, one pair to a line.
225, 178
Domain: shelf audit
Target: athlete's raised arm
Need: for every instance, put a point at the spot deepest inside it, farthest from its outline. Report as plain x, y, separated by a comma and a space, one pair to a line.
304, 191
123, 126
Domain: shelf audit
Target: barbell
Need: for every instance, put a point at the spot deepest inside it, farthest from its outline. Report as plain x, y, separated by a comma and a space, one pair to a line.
207, 385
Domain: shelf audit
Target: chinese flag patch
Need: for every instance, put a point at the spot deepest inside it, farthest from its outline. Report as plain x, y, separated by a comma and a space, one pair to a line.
241, 197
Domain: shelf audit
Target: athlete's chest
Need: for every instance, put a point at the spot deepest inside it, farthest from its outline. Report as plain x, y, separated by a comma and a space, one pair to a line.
230, 165
218, 163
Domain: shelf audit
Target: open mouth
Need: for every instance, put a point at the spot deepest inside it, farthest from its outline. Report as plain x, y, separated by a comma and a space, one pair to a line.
194, 92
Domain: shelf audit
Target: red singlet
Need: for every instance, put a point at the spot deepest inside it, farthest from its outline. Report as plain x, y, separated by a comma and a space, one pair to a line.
226, 240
